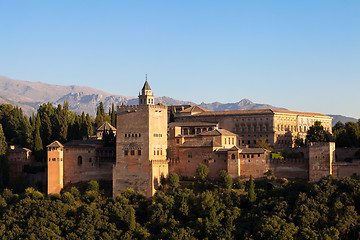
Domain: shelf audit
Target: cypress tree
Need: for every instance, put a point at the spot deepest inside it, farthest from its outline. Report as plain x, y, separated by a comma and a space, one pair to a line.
251, 191
99, 119
26, 138
46, 131
37, 144
113, 115
89, 125
4, 166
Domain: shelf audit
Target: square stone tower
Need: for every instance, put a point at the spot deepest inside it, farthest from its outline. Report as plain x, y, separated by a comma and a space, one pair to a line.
321, 158
55, 167
141, 145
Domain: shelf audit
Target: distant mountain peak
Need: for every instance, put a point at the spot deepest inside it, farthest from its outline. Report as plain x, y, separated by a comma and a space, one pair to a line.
29, 95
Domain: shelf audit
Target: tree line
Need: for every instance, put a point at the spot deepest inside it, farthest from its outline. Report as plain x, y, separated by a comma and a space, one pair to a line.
48, 124
195, 209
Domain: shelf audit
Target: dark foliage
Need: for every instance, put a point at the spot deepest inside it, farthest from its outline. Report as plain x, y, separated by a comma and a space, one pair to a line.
328, 209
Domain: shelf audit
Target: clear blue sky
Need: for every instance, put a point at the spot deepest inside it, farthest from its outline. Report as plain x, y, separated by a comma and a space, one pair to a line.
301, 55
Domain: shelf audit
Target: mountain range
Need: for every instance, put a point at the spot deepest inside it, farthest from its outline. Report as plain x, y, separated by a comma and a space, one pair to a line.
30, 95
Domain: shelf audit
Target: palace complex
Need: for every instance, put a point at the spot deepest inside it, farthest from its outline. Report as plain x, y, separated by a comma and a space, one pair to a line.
148, 147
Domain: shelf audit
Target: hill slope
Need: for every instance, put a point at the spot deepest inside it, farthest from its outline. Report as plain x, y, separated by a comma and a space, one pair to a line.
29, 95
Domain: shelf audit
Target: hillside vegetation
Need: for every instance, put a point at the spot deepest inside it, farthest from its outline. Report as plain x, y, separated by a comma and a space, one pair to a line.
198, 209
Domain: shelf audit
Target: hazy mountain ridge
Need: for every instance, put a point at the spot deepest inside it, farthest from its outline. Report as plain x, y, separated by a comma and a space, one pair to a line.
244, 104
29, 96
343, 119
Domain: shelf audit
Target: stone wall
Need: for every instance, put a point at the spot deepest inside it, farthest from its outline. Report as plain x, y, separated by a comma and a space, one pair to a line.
55, 173
344, 154
321, 159
141, 137
290, 168
346, 169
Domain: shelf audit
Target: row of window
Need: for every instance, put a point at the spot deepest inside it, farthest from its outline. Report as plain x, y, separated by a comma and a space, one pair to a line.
187, 131
55, 159
78, 150
80, 160
157, 151
149, 101
245, 155
254, 128
229, 140
157, 135
255, 119
54, 149
132, 152
132, 134
248, 142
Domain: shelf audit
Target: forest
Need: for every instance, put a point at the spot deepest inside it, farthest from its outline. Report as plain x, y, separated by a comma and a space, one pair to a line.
181, 208
48, 124
189, 209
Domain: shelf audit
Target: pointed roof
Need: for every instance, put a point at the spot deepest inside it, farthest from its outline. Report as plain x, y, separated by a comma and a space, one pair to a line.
218, 132
194, 109
200, 143
106, 126
55, 144
146, 86
234, 148
254, 150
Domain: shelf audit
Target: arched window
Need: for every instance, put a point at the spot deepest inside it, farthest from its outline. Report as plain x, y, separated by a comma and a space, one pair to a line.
232, 156
79, 160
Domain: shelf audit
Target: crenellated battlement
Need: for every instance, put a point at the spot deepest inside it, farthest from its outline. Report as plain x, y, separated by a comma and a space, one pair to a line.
127, 108
136, 108
158, 106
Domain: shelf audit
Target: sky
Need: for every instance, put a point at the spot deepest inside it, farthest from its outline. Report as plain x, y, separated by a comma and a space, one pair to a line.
299, 55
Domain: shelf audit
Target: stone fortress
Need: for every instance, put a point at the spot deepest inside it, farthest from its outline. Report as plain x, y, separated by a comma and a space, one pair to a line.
149, 148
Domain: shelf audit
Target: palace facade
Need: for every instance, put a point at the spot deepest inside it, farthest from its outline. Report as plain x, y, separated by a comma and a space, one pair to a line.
149, 148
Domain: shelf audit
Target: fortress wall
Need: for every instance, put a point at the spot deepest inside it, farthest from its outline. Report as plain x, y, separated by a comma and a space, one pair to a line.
132, 171
290, 168
346, 169
345, 153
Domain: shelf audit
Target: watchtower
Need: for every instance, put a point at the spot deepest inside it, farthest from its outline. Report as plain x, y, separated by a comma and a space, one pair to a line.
146, 97
55, 167
141, 144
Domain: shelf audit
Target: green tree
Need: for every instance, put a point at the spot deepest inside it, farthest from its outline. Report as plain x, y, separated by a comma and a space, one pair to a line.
109, 138
225, 179
202, 171
46, 131
338, 126
173, 180
25, 135
101, 116
347, 135
299, 142
316, 133
251, 190
113, 115
263, 143
4, 166
353, 134
269, 173
37, 144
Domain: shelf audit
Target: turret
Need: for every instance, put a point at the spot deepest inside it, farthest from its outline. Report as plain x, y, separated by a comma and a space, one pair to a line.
146, 97
55, 168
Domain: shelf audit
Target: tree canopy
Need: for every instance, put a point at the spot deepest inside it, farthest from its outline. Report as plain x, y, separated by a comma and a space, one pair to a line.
316, 133
328, 209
